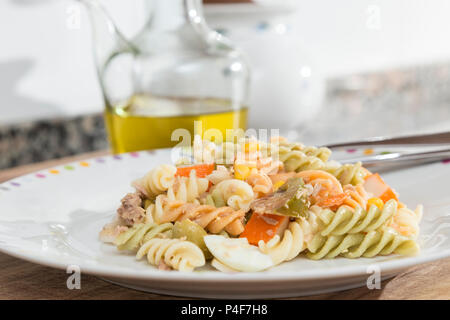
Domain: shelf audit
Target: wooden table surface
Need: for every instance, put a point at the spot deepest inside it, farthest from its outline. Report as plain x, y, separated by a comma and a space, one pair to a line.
24, 280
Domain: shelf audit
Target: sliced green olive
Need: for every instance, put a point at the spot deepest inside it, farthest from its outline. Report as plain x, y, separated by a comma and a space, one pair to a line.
193, 233
291, 199
147, 203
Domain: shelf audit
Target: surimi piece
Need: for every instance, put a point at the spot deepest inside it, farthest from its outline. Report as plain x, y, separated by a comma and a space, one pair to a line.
378, 188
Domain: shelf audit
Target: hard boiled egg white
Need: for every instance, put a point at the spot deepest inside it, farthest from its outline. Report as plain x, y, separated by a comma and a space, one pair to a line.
237, 254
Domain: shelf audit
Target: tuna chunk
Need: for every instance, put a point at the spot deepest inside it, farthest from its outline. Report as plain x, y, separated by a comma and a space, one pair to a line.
131, 210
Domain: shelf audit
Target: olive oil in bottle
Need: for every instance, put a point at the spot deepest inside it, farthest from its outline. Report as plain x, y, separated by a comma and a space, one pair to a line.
147, 122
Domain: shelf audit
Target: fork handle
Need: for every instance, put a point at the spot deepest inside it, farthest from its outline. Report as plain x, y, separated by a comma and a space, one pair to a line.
434, 138
395, 160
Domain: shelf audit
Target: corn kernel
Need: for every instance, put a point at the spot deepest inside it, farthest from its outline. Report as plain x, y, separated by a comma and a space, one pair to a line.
376, 201
251, 147
277, 185
241, 171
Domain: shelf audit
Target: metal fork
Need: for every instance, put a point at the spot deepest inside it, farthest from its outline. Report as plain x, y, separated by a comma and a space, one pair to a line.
440, 141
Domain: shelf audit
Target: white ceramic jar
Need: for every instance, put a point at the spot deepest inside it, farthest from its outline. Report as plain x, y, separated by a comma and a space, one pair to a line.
287, 89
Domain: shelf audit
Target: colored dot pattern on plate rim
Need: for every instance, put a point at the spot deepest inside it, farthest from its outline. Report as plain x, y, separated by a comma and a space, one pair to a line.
135, 155
71, 168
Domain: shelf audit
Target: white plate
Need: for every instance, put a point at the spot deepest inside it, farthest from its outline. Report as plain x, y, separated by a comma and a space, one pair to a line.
53, 218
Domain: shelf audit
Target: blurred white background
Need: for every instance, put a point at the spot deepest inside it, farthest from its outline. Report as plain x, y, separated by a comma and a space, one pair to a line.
47, 70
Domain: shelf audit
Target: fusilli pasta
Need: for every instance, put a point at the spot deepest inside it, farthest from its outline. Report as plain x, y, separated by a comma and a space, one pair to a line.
187, 189
295, 239
383, 241
178, 254
347, 173
322, 153
234, 193
348, 220
260, 182
135, 236
287, 248
157, 181
357, 196
209, 217
298, 161
220, 174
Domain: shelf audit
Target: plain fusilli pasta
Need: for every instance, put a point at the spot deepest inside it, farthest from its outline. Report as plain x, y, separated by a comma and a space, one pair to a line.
260, 182
157, 181
188, 189
287, 248
178, 254
208, 217
234, 193
220, 174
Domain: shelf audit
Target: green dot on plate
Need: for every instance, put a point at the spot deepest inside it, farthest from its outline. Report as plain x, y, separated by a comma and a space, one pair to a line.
385, 152
69, 168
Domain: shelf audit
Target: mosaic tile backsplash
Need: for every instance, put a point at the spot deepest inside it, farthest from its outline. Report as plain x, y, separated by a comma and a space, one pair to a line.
56, 138
392, 102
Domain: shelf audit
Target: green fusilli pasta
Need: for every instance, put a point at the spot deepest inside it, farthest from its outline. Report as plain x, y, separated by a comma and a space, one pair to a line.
348, 173
299, 161
383, 241
348, 220
135, 236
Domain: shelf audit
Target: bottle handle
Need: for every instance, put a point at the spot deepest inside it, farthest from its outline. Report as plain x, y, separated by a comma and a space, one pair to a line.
194, 11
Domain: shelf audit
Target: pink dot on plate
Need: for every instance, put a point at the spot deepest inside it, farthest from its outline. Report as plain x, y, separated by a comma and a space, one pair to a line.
351, 150
134, 154
40, 175
446, 161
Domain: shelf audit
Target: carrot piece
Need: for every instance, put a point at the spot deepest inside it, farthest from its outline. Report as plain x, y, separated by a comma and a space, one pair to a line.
201, 170
375, 185
264, 227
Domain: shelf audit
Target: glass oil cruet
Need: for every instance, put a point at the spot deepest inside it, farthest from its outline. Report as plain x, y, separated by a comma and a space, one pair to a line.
175, 71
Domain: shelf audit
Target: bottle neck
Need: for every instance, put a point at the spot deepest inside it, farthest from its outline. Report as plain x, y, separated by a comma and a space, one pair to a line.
170, 15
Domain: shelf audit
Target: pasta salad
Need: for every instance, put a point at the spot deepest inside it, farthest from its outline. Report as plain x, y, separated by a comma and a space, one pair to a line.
252, 205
